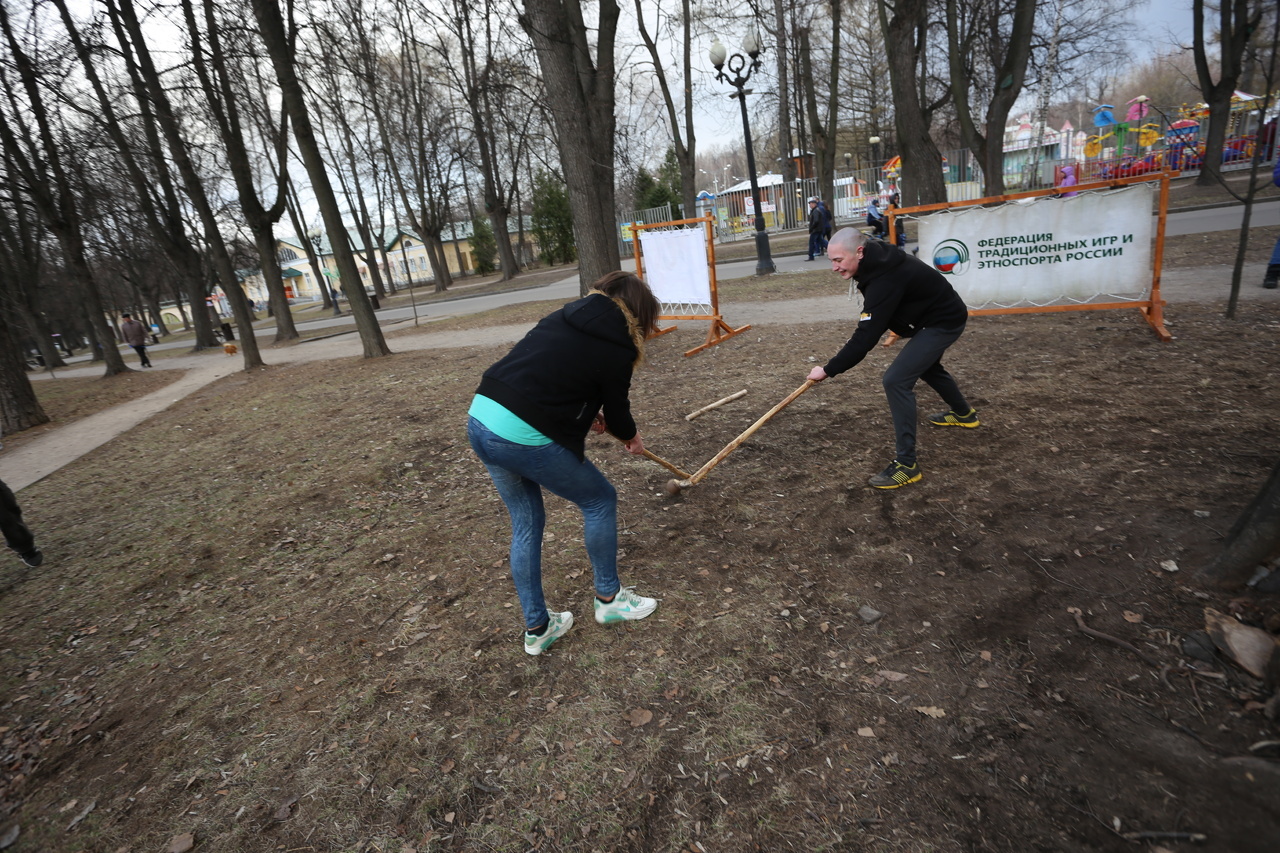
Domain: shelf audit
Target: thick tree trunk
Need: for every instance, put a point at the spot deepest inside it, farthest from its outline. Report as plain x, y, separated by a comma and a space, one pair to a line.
1236, 23
272, 29
904, 36
581, 97
19, 408
1254, 539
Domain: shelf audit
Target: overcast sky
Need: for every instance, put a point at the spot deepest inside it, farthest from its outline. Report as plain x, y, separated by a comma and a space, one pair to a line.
1160, 23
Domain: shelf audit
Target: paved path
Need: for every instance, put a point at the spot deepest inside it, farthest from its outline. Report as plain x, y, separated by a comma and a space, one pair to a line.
40, 457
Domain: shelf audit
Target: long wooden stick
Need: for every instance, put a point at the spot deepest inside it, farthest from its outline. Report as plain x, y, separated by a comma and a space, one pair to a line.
737, 442
665, 464
717, 404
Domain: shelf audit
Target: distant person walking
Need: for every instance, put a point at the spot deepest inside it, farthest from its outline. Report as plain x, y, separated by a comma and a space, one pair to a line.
817, 226
135, 335
528, 424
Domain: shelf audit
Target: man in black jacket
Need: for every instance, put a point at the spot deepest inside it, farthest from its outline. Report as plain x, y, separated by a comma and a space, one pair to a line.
904, 295
817, 227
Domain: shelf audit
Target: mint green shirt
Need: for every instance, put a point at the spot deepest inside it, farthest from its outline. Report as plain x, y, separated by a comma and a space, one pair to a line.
503, 423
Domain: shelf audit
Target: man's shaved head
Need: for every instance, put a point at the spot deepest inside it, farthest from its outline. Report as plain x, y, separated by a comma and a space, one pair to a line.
847, 239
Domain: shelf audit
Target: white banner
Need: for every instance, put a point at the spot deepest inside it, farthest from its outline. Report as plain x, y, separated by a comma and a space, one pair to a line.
675, 265
1048, 251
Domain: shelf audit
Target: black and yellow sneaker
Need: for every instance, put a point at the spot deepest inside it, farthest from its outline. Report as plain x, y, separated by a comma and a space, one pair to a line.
952, 419
896, 475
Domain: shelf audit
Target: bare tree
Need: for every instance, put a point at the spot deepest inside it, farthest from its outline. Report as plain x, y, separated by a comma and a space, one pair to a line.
823, 127
279, 41
217, 76
134, 48
580, 91
905, 24
989, 45
28, 138
142, 159
683, 143
1237, 21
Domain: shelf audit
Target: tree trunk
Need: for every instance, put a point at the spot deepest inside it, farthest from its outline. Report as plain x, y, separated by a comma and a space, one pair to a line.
581, 96
434, 248
19, 408
1254, 539
279, 46
823, 130
785, 147
222, 97
1236, 23
988, 145
905, 43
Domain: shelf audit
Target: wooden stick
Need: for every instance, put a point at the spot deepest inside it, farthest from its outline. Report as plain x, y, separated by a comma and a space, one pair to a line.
717, 404
665, 464
737, 442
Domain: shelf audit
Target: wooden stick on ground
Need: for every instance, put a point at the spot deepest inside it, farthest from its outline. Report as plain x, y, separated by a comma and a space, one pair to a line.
665, 464
1085, 629
674, 486
717, 404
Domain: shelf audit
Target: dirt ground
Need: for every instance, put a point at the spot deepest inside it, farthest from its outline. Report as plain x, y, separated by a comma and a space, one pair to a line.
277, 616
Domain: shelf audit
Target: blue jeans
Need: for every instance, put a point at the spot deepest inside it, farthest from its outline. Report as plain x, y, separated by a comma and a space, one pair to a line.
520, 473
816, 246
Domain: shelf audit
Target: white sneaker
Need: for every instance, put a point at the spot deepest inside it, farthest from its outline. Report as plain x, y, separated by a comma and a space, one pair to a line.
558, 624
626, 605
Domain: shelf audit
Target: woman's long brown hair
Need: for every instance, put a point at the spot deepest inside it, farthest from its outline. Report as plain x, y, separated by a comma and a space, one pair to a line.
632, 290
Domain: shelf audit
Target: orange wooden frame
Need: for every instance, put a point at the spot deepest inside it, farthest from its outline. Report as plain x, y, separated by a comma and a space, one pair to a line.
720, 330
1152, 307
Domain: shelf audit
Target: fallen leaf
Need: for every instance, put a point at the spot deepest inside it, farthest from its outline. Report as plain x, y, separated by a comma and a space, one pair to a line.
639, 717
1169, 565
448, 818
286, 809
1130, 616
890, 675
447, 765
986, 656
181, 843
1250, 648
866, 731
931, 711
559, 796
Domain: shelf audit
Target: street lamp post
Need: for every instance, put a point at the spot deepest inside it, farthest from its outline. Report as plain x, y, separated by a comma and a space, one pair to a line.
875, 150
317, 237
741, 68
408, 277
